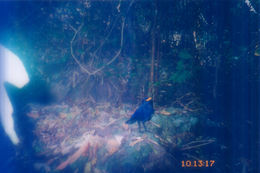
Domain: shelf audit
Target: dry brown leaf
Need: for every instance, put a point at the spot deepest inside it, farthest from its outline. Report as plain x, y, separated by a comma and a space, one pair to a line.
164, 112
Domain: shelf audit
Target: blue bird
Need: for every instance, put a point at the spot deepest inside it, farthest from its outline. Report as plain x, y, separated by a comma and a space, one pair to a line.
143, 113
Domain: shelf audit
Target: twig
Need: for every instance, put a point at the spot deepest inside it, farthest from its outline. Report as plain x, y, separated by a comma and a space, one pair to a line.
152, 141
157, 125
71, 48
108, 35
186, 106
108, 63
112, 122
75, 74
180, 98
197, 144
136, 141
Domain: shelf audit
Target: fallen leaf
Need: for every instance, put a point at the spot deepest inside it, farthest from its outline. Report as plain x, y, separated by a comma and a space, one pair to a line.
164, 112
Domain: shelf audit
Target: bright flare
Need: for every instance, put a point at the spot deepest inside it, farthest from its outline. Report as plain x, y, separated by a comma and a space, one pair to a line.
12, 71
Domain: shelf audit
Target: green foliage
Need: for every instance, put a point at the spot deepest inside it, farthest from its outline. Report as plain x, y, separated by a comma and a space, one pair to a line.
183, 71
157, 83
184, 54
180, 77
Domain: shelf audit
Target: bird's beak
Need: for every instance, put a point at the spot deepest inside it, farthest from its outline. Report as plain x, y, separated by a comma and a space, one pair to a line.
150, 98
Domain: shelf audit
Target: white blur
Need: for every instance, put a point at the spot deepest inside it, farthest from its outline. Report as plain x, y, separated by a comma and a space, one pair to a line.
12, 71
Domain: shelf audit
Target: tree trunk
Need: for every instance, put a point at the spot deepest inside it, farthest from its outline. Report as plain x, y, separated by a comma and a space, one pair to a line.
154, 34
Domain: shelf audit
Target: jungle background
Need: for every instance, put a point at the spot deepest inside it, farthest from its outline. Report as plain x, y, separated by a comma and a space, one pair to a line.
197, 59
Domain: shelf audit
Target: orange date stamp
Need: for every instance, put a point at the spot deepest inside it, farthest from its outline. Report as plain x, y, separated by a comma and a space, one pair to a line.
197, 163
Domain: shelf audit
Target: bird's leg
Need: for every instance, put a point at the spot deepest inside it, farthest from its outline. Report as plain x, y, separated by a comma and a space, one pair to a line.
144, 126
139, 126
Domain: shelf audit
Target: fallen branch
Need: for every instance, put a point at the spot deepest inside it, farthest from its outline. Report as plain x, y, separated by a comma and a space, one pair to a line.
74, 157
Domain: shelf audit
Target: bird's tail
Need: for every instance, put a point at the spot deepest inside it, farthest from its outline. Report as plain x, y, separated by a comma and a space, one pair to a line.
130, 121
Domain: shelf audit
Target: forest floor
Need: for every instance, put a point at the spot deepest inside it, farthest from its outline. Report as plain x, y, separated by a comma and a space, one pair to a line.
84, 138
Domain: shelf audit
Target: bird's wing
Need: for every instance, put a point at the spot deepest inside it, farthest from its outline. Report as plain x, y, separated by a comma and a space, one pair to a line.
135, 115
139, 112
